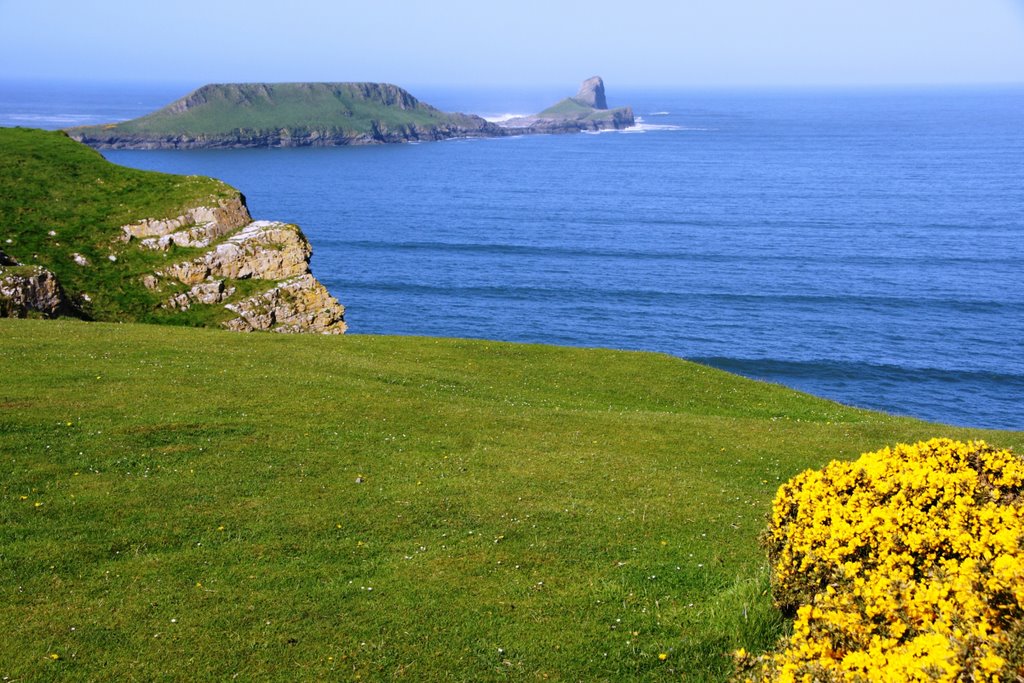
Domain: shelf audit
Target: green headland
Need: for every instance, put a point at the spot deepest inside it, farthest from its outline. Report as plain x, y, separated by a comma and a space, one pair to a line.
282, 114
128, 245
59, 198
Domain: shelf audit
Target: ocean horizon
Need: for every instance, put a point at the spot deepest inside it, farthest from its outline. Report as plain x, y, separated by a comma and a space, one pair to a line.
862, 245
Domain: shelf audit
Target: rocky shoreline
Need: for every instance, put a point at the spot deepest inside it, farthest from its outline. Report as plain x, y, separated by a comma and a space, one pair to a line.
618, 120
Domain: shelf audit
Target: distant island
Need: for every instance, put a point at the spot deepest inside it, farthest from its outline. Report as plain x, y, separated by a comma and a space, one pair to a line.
587, 111
333, 115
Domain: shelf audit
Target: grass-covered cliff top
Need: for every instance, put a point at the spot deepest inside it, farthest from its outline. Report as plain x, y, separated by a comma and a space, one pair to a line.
194, 503
62, 208
223, 109
59, 198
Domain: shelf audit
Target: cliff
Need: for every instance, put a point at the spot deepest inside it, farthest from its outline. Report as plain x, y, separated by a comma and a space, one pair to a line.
189, 252
31, 291
235, 248
238, 115
591, 93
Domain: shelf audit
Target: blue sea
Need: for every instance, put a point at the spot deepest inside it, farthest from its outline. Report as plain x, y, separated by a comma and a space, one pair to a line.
865, 245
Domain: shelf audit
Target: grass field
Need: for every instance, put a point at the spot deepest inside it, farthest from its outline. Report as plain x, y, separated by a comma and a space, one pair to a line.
195, 504
570, 108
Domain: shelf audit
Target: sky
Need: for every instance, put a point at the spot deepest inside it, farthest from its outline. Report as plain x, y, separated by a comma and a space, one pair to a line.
681, 43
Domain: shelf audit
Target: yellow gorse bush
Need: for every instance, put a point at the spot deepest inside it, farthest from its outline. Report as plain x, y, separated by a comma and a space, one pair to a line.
905, 565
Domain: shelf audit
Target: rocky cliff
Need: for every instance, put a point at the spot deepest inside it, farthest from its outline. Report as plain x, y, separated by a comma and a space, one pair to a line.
31, 291
380, 133
83, 237
236, 249
591, 93
271, 258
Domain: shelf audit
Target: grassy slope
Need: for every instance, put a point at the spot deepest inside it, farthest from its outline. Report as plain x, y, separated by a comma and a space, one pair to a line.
181, 501
572, 109
266, 107
50, 182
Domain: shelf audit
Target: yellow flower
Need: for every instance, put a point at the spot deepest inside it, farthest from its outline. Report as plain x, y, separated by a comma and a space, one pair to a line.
662, 656
908, 559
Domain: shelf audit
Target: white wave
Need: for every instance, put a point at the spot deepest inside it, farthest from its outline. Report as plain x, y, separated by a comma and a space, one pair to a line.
56, 118
502, 118
659, 113
641, 127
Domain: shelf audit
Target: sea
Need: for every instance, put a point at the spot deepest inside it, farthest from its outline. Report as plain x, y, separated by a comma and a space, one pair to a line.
861, 245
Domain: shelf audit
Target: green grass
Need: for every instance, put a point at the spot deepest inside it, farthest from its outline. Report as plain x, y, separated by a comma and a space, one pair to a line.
254, 107
570, 108
183, 503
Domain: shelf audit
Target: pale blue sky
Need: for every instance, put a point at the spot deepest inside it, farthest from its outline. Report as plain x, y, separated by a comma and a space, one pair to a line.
518, 42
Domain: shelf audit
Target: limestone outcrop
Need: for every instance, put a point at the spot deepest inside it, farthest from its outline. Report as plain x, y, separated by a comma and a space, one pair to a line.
27, 291
591, 93
263, 249
213, 292
196, 227
299, 304
237, 249
240, 249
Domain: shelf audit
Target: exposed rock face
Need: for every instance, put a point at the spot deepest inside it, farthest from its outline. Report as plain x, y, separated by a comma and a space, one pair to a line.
467, 126
242, 249
262, 249
197, 227
591, 93
213, 292
31, 290
300, 304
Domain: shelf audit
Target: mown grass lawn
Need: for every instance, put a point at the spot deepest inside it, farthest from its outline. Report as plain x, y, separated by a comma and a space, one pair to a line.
196, 504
